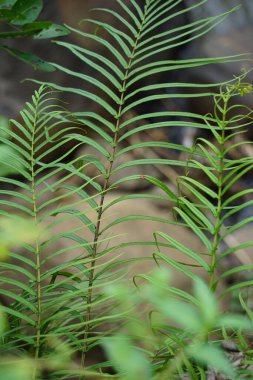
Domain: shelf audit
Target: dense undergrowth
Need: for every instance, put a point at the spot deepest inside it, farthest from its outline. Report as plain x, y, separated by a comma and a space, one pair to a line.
69, 287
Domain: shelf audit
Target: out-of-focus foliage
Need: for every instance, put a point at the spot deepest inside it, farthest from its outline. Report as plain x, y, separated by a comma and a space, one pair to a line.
20, 20
175, 335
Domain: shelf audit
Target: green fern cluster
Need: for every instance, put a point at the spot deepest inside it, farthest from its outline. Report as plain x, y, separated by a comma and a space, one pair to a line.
206, 209
54, 287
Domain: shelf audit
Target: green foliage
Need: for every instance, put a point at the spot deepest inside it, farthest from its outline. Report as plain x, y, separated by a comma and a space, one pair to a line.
162, 353
204, 210
20, 17
9, 157
61, 288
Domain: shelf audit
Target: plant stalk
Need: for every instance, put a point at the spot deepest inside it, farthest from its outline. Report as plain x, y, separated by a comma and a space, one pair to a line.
212, 280
37, 250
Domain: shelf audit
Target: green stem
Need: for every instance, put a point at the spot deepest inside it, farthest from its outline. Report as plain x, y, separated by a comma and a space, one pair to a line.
37, 250
213, 281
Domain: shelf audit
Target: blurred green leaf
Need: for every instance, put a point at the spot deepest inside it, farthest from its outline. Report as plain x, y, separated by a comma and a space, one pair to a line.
52, 31
246, 308
26, 11
15, 230
4, 251
162, 186
212, 357
4, 126
235, 321
7, 3
6, 15
16, 370
127, 359
16, 34
3, 323
35, 26
39, 30
9, 161
30, 58
184, 314
207, 302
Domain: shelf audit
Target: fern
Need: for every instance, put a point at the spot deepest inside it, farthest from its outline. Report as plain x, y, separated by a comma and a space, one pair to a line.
206, 210
206, 217
58, 293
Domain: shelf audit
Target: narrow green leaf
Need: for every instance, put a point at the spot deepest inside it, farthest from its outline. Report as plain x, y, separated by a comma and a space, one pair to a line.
207, 171
116, 33
82, 54
239, 286
105, 43
238, 195
91, 142
182, 248
152, 98
20, 299
130, 13
235, 210
10, 161
183, 268
16, 268
161, 124
199, 185
21, 316
196, 214
83, 194
161, 185
236, 248
205, 203
84, 93
133, 217
197, 231
236, 226
158, 144
150, 161
89, 79
118, 17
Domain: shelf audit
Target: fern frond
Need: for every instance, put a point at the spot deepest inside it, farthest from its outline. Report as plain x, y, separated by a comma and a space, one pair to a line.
195, 200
